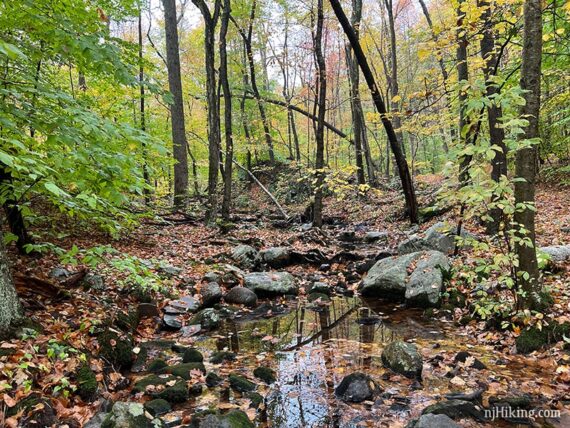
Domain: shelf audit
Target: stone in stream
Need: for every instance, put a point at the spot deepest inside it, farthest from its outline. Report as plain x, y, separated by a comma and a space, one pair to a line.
171, 322
157, 407
403, 358
233, 419
557, 253
241, 296
183, 305
433, 421
246, 256
211, 294
455, 409
276, 257
212, 380
240, 383
156, 365
208, 319
221, 356
129, 415
462, 357
271, 283
183, 370
266, 374
416, 278
170, 388
357, 387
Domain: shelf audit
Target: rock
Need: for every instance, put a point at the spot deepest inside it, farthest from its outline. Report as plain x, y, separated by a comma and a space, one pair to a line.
170, 271
157, 407
320, 287
183, 305
171, 322
183, 370
390, 278
172, 420
93, 281
211, 294
152, 348
221, 356
170, 388
240, 383
357, 387
557, 253
212, 380
266, 374
462, 357
403, 358
59, 273
147, 310
86, 383
276, 257
347, 236
115, 348
455, 409
375, 236
96, 421
192, 355
233, 419
127, 321
37, 411
241, 296
155, 366
211, 277
271, 283
532, 339
246, 256
129, 415
435, 421
231, 276
208, 319
320, 297
255, 398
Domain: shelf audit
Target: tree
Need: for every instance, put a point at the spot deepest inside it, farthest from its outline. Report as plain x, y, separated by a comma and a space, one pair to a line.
146, 174
402, 165
226, 204
179, 143
526, 158
463, 79
10, 309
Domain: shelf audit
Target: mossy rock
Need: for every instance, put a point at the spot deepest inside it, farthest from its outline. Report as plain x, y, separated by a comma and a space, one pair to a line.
176, 393
127, 322
240, 384
157, 365
533, 339
255, 398
233, 419
212, 380
115, 348
221, 356
129, 415
192, 355
157, 407
183, 370
266, 374
86, 383
316, 296
237, 419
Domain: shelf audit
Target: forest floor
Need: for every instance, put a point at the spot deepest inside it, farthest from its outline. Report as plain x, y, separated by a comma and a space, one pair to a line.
310, 344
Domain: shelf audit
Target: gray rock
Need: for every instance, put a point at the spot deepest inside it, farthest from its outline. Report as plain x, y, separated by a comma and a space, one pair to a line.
59, 273
276, 257
271, 283
96, 421
403, 358
438, 237
182, 305
241, 296
357, 387
231, 276
93, 281
246, 256
211, 294
435, 421
557, 253
170, 271
171, 322
416, 278
211, 276
208, 319
129, 415
233, 419
320, 287
375, 236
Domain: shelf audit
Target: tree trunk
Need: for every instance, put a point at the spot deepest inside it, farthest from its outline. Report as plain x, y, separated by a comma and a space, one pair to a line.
403, 170
179, 142
321, 110
13, 214
526, 158
10, 309
462, 78
146, 175
226, 203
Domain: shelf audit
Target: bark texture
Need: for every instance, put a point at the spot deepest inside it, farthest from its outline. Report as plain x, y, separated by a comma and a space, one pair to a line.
10, 309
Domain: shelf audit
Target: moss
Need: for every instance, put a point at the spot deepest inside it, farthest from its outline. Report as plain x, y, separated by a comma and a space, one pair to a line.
266, 374
156, 365
176, 393
212, 379
237, 419
86, 383
116, 349
465, 319
220, 357
456, 298
240, 383
429, 312
127, 322
192, 355
183, 370
533, 339
157, 407
255, 398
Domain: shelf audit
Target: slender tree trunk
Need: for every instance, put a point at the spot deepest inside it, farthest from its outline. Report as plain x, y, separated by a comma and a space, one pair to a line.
10, 309
13, 214
226, 204
403, 170
321, 110
146, 175
179, 142
526, 158
463, 78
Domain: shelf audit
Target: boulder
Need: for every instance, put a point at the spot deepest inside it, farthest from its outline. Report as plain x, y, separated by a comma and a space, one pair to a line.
129, 415
211, 277
147, 310
416, 278
557, 253
183, 305
116, 348
357, 387
241, 384
86, 383
208, 319
171, 322
241, 296
184, 370
192, 355
211, 294
320, 287
438, 237
246, 256
231, 275
266, 374
271, 283
169, 388
59, 274
221, 356
276, 257
212, 379
170, 271
403, 358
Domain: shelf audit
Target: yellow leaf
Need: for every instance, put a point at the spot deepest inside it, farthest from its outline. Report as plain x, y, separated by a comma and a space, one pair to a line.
396, 98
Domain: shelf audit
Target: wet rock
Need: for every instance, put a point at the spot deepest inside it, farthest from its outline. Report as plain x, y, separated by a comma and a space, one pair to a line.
155, 366
375, 236
175, 389
246, 256
266, 374
129, 415
93, 281
157, 407
150, 349
233, 419
455, 409
462, 357
212, 380
208, 319
183, 370
221, 356
170, 271
357, 387
116, 348
241, 296
433, 421
192, 355
183, 305
59, 273
320, 287
271, 283
403, 358
211, 294
147, 310
171, 322
86, 383
240, 384
415, 277
276, 257
557, 253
